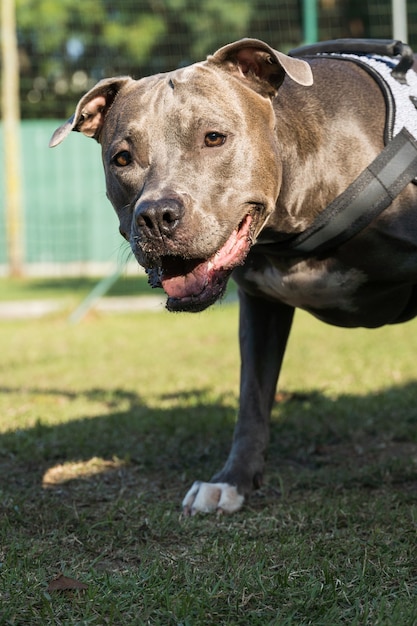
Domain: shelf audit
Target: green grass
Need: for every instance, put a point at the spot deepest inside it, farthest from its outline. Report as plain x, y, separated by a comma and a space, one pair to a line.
68, 288
105, 424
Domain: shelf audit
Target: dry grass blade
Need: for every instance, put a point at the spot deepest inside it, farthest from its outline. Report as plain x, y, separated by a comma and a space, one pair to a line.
64, 583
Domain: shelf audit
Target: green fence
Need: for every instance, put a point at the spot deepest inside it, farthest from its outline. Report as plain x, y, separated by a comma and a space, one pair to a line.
67, 218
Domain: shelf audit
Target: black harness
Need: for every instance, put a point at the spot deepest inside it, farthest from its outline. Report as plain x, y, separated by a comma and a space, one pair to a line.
376, 187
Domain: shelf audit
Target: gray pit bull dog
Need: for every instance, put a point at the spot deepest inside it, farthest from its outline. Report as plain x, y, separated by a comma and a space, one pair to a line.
209, 167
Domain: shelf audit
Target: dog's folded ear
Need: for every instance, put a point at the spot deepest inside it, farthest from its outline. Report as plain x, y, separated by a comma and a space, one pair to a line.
256, 61
91, 110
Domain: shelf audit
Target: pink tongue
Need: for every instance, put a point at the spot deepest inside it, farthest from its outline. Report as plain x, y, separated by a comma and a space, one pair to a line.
193, 282
190, 284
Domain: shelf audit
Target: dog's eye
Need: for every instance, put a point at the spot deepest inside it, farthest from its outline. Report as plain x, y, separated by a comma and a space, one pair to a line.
212, 140
122, 158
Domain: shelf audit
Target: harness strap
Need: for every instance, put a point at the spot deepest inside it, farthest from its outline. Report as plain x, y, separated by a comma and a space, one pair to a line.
370, 194
383, 47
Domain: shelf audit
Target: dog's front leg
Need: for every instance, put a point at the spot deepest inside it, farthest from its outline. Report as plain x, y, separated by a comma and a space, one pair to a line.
264, 330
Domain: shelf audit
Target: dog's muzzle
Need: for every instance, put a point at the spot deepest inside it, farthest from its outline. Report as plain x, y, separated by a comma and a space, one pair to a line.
156, 221
193, 284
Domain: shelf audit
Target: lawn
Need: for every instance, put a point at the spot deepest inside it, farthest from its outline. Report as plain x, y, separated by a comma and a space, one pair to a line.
106, 423
68, 289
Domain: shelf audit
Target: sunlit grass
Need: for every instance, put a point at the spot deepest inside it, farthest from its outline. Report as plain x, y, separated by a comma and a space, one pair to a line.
105, 424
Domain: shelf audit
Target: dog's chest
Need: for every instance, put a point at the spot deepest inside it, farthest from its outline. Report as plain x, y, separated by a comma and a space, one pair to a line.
306, 285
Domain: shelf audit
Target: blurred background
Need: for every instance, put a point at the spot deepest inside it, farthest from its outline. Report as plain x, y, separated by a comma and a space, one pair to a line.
55, 219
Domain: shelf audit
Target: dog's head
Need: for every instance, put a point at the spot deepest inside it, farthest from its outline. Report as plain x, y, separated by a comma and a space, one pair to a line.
191, 162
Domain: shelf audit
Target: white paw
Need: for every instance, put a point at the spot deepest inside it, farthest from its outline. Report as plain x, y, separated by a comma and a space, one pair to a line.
212, 498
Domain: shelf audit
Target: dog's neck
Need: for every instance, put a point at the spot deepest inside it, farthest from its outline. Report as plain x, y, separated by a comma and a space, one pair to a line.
310, 132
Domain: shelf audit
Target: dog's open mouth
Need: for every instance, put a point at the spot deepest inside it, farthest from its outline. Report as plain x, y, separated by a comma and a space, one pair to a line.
194, 284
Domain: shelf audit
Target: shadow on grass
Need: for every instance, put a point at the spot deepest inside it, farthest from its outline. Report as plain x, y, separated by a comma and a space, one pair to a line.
98, 498
155, 442
316, 441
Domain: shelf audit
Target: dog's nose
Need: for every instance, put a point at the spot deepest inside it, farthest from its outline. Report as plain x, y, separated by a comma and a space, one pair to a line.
158, 218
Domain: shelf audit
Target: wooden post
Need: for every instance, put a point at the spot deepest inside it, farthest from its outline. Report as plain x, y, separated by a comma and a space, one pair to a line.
11, 126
